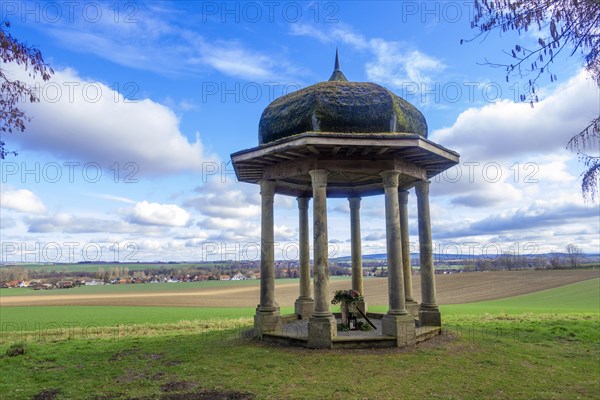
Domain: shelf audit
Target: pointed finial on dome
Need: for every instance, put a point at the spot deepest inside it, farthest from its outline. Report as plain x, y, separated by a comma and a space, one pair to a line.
337, 60
337, 75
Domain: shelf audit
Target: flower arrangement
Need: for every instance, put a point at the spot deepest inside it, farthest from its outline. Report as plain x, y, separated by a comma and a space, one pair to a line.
348, 301
348, 297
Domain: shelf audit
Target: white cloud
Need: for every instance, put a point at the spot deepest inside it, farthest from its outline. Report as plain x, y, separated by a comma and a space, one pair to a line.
145, 213
396, 63
67, 223
182, 49
86, 120
112, 197
7, 222
508, 129
532, 218
284, 233
226, 198
22, 200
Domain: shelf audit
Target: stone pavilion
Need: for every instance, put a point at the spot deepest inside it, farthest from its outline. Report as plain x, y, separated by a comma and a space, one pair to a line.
342, 139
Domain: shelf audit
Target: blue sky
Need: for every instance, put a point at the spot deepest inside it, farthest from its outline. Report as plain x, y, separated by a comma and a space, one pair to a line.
126, 156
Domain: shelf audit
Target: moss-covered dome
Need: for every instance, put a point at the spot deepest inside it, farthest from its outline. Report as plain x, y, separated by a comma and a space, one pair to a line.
339, 106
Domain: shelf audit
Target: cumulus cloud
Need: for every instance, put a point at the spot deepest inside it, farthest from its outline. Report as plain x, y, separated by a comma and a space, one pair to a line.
285, 234
236, 229
373, 236
85, 120
225, 202
22, 200
508, 129
395, 65
146, 213
539, 214
7, 222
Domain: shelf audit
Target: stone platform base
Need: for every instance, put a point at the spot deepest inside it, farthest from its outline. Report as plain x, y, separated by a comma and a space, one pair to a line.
413, 308
295, 332
430, 317
267, 322
321, 331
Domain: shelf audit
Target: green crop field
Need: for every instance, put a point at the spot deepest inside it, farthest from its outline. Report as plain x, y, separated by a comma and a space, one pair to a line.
543, 345
44, 317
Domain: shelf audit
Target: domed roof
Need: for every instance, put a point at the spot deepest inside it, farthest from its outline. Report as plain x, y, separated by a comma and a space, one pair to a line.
339, 106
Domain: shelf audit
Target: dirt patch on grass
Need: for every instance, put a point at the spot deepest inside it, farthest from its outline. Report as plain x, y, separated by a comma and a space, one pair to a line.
120, 355
131, 375
178, 386
201, 394
47, 394
205, 394
451, 289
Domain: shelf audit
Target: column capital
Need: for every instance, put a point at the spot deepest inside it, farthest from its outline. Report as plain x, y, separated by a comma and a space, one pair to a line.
267, 187
403, 196
303, 203
390, 178
354, 202
319, 177
422, 188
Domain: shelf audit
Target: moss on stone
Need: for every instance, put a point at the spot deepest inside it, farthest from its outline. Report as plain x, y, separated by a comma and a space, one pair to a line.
337, 106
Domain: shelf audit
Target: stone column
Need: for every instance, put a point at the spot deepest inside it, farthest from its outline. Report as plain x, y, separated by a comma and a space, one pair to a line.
429, 313
304, 304
356, 251
267, 314
322, 325
411, 305
397, 322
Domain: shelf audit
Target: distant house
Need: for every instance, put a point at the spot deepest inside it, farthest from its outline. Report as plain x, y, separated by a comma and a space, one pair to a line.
224, 277
238, 277
43, 286
64, 284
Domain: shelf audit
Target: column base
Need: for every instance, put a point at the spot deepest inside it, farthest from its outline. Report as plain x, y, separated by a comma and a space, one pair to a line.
429, 315
266, 321
321, 331
412, 307
402, 327
303, 308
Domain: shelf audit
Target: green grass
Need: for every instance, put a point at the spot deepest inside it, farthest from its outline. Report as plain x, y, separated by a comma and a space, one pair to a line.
142, 367
43, 317
543, 345
580, 297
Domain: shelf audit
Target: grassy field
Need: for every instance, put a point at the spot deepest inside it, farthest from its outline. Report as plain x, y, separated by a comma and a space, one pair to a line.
541, 345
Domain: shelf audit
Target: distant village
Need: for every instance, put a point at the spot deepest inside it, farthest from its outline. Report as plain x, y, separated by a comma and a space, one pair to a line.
15, 276
66, 276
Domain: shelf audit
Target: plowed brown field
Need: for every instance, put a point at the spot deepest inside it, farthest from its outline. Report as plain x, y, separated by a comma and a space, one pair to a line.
451, 289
